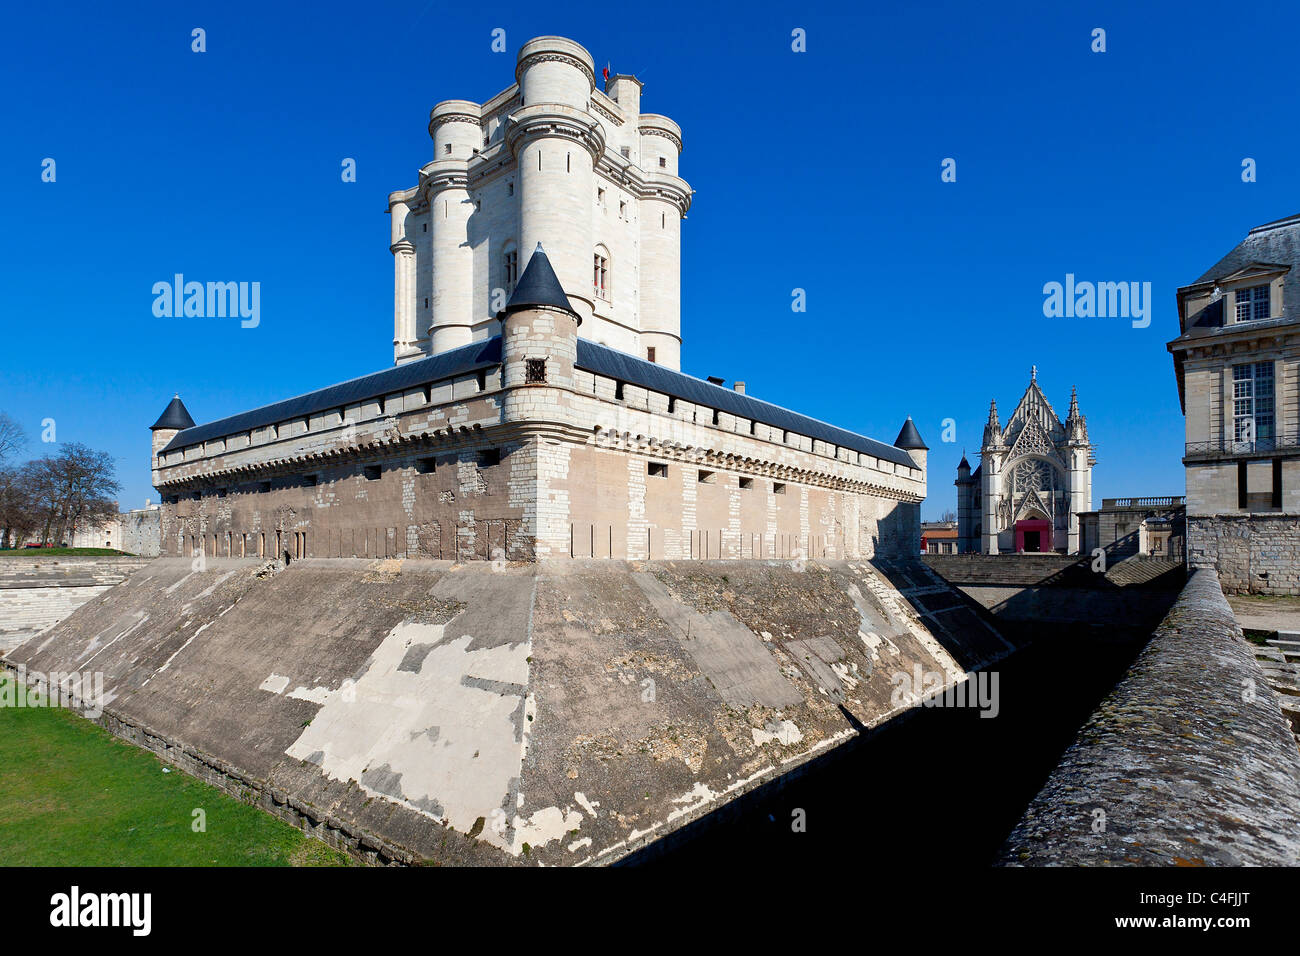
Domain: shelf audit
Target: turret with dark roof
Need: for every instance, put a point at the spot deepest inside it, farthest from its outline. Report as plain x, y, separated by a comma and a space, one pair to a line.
174, 416
909, 438
539, 286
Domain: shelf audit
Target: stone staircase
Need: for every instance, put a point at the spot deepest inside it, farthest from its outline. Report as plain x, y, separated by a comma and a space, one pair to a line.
1279, 659
36, 593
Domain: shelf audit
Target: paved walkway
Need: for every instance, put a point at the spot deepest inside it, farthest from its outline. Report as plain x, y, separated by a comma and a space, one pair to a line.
1255, 613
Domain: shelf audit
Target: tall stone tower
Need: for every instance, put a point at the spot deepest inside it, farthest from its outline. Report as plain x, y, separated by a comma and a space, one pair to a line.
550, 160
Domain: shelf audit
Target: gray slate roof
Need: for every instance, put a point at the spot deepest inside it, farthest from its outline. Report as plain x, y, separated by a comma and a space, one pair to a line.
628, 368
539, 286
173, 416
909, 437
599, 359
1273, 243
467, 358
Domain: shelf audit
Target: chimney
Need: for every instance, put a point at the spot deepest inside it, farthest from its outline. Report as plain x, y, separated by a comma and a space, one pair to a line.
739, 387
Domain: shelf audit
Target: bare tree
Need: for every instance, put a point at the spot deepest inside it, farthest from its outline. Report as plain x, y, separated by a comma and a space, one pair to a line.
949, 515
12, 437
20, 511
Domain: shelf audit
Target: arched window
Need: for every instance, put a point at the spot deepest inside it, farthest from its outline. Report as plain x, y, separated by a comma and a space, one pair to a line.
600, 277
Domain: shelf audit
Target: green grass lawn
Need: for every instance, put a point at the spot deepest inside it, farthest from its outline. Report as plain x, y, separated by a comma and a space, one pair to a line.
71, 794
54, 552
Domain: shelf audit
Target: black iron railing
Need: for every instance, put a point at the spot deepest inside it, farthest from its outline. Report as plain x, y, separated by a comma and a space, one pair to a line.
1228, 447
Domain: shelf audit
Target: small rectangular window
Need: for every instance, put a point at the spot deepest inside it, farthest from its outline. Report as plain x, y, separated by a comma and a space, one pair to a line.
510, 189
534, 371
446, 149
746, 483
657, 469
650, 354
627, 153
372, 472
309, 481
425, 466
663, 162
778, 487
428, 394
618, 391
489, 457
708, 477
1241, 484
482, 380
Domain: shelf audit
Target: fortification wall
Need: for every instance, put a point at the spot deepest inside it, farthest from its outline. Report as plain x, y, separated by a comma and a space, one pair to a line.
602, 470
1253, 554
561, 712
38, 592
1189, 761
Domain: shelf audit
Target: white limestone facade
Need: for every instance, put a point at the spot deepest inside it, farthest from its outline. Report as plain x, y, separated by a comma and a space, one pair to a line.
550, 159
1033, 481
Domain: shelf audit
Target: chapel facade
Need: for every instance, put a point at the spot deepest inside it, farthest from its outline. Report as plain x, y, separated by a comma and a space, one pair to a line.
1033, 481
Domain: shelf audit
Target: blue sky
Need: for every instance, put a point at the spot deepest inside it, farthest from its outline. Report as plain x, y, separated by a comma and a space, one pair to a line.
816, 170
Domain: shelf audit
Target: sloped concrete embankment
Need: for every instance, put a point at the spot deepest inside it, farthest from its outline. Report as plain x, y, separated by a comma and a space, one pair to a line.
38, 592
1189, 761
560, 713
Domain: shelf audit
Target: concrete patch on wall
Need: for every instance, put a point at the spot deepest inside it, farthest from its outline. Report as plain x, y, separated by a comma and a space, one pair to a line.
444, 738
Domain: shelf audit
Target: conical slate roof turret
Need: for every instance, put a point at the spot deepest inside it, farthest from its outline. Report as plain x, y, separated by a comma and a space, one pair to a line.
909, 438
538, 286
174, 416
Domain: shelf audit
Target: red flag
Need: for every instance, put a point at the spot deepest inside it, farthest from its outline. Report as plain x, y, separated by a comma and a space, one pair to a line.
606, 71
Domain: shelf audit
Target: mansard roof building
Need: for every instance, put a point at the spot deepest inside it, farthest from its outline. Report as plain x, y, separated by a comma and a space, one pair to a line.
1237, 365
1033, 481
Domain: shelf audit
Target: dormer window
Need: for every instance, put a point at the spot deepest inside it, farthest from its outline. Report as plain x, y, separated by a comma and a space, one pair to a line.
1253, 303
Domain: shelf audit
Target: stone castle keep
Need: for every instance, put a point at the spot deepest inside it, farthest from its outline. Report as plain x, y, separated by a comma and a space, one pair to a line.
536, 409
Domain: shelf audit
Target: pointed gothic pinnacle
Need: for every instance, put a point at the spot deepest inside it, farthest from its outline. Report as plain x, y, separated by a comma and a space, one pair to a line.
993, 414
1074, 402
